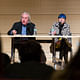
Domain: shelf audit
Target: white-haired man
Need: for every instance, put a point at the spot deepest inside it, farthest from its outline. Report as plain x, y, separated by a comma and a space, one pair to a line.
23, 27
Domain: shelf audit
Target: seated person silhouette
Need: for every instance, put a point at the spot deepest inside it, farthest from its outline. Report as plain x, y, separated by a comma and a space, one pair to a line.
4, 61
72, 69
31, 66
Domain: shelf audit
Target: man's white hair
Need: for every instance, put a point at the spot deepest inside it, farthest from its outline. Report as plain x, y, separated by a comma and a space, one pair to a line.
29, 17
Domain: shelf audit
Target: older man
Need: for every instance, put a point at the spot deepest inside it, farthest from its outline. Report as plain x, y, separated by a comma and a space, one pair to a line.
23, 27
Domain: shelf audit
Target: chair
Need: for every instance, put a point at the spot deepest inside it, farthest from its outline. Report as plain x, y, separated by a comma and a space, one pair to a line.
54, 48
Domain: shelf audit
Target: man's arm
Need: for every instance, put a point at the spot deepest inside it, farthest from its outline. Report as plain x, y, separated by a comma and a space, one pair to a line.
30, 28
13, 30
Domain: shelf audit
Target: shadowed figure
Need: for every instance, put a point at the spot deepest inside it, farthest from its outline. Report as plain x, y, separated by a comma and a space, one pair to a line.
4, 61
32, 65
72, 69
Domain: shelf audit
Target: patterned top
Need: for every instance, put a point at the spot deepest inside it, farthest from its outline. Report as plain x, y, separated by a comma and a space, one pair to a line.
65, 31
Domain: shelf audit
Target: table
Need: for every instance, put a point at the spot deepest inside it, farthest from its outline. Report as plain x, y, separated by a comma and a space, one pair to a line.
51, 40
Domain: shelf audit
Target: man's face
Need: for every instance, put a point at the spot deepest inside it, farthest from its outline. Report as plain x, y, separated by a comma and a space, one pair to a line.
62, 20
24, 19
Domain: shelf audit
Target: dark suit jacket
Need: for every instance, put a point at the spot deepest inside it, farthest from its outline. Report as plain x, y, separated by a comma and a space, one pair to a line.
18, 27
30, 70
18, 41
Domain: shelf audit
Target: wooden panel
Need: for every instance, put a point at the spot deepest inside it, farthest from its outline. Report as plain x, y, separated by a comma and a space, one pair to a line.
6, 22
61, 6
43, 22
74, 21
40, 6
18, 6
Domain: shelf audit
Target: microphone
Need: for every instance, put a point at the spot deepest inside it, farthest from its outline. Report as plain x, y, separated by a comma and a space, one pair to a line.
60, 27
61, 24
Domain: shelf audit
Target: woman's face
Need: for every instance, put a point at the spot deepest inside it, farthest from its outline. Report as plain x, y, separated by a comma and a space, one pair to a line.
62, 20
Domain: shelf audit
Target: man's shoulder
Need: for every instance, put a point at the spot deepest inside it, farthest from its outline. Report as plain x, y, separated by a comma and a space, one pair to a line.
32, 24
17, 24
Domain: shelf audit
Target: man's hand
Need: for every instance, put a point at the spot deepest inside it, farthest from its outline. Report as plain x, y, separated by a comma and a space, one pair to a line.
54, 33
14, 32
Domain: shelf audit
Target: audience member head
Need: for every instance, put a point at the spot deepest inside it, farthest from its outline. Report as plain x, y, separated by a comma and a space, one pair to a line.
5, 59
30, 51
1, 69
43, 57
72, 69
